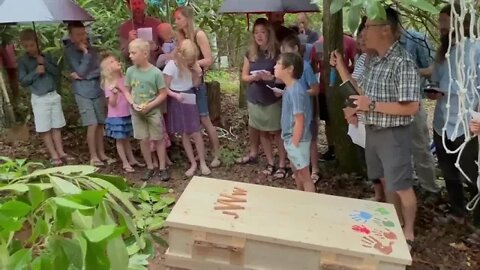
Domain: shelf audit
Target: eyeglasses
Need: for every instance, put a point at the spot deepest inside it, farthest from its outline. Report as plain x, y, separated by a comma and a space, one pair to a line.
372, 25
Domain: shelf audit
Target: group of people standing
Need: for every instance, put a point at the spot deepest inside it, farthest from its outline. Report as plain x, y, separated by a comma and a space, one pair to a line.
145, 103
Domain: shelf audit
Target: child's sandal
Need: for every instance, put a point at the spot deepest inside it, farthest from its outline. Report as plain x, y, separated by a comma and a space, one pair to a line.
268, 170
67, 158
280, 173
128, 169
96, 163
109, 161
56, 162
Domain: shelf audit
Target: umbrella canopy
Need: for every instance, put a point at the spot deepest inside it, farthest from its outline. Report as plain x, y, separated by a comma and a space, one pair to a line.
19, 11
264, 6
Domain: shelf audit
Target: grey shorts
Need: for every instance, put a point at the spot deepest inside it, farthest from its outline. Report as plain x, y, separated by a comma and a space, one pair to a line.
388, 155
92, 111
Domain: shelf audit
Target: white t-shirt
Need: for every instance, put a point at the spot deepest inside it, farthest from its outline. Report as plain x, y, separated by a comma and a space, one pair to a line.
179, 83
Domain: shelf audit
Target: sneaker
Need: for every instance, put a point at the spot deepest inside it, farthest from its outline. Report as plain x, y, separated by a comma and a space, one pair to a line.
163, 175
149, 173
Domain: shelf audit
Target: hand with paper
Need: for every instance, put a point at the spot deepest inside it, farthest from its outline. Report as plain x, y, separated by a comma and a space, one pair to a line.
475, 123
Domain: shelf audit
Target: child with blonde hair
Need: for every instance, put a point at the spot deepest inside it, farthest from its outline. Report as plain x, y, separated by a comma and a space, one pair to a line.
146, 84
118, 124
182, 75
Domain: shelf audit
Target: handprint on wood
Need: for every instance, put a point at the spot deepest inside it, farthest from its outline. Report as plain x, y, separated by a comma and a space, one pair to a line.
372, 242
361, 216
361, 229
385, 234
384, 222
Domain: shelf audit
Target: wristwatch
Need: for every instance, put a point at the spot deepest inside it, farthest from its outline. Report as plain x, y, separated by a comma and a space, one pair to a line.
371, 106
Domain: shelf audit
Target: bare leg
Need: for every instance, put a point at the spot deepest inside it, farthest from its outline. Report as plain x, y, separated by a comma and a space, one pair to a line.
121, 150
267, 146
161, 154
254, 140
393, 198
409, 207
48, 141
129, 152
379, 192
305, 179
100, 144
282, 154
213, 136
57, 140
298, 182
147, 155
314, 155
187, 145
199, 144
91, 141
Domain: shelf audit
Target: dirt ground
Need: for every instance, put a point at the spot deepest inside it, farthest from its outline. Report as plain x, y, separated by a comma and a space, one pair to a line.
437, 247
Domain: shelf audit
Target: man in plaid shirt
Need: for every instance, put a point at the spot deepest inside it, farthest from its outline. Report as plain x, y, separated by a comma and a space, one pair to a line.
391, 84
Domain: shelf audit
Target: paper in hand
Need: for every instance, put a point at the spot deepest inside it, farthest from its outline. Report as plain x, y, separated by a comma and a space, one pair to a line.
145, 33
189, 98
475, 115
357, 134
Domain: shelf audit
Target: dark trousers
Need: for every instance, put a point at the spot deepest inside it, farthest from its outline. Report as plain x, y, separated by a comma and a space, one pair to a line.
453, 177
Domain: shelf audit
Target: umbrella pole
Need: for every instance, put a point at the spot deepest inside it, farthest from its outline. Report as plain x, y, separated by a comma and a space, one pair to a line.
36, 38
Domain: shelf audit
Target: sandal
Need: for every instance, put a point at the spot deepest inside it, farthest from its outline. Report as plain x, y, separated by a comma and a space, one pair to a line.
268, 170
280, 173
247, 160
315, 177
138, 164
67, 158
215, 163
163, 175
205, 171
96, 163
128, 169
149, 173
56, 162
109, 161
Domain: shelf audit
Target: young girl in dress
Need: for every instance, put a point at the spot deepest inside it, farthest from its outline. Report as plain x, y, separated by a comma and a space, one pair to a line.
119, 123
182, 74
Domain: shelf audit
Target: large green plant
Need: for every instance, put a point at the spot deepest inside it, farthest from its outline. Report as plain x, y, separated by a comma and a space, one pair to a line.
69, 218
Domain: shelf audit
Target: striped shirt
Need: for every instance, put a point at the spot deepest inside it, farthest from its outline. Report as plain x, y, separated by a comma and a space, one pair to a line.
391, 78
359, 66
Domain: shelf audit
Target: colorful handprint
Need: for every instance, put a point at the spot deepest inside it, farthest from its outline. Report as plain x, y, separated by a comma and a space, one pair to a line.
385, 234
372, 242
384, 222
382, 211
361, 216
361, 229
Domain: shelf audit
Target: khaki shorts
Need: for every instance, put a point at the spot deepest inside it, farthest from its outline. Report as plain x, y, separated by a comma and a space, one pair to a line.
47, 112
148, 126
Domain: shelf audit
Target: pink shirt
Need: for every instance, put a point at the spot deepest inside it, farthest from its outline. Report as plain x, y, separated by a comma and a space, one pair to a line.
122, 107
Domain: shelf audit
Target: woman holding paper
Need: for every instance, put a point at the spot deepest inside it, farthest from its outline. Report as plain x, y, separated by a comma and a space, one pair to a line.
264, 108
181, 75
186, 30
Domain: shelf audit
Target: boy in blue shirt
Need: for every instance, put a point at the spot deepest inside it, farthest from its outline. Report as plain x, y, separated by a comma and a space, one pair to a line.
84, 65
296, 118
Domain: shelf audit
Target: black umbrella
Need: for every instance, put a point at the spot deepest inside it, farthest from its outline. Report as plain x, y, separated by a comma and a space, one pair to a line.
265, 6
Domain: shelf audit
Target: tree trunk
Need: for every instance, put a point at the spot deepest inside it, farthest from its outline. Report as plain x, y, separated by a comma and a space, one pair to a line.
214, 102
345, 150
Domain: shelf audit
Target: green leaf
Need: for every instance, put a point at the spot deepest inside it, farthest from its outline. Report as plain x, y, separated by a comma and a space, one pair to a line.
89, 197
137, 261
73, 251
63, 217
159, 190
63, 187
35, 195
20, 260
15, 209
39, 228
69, 204
101, 233
159, 240
15, 187
10, 224
375, 10
117, 253
81, 221
168, 200
117, 181
353, 18
66, 170
95, 258
155, 223
336, 6
423, 5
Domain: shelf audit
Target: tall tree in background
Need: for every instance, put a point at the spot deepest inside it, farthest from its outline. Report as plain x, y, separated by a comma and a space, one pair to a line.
333, 40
